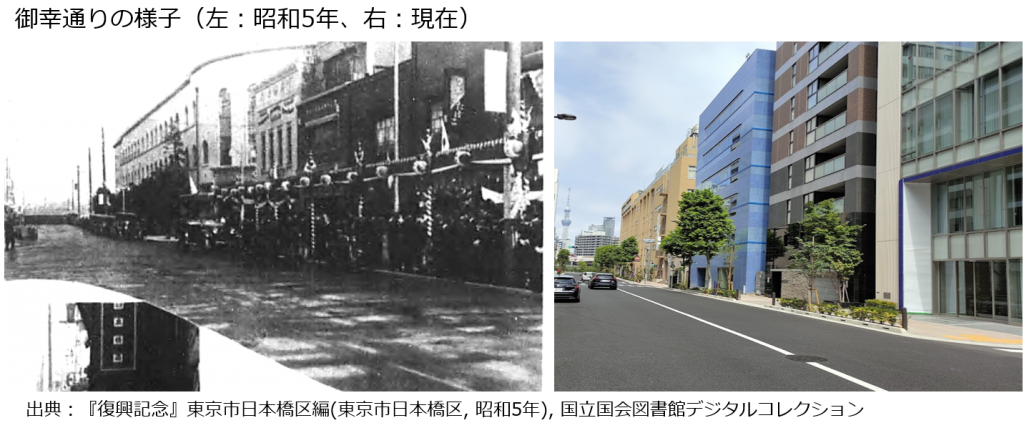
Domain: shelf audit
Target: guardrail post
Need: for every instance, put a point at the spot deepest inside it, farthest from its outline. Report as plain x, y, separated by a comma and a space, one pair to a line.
773, 297
903, 312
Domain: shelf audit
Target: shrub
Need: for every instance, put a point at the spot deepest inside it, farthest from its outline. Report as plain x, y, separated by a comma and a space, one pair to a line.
877, 303
795, 303
829, 309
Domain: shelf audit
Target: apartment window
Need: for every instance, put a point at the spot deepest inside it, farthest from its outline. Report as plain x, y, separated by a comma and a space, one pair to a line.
792, 109
808, 198
385, 135
965, 113
988, 104
272, 162
735, 141
263, 151
812, 94
280, 146
1011, 95
810, 126
288, 147
691, 172
1013, 195
789, 177
436, 117
789, 211
794, 53
791, 142
995, 199
944, 121
925, 129
908, 149
794, 72
812, 60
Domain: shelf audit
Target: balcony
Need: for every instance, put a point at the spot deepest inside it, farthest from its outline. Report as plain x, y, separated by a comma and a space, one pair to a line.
831, 126
826, 168
829, 51
831, 87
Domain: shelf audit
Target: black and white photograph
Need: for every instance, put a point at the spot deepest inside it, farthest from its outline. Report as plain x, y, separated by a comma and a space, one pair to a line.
368, 215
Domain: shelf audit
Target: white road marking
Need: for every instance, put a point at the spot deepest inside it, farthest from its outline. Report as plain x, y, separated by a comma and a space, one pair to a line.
1012, 350
434, 378
784, 352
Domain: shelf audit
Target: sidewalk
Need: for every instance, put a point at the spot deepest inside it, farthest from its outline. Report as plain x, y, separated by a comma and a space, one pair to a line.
932, 327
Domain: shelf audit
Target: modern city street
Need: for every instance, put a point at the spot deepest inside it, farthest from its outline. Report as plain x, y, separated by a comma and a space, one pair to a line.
351, 331
643, 338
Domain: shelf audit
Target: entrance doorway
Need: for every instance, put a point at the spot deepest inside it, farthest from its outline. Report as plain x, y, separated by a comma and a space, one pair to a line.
983, 289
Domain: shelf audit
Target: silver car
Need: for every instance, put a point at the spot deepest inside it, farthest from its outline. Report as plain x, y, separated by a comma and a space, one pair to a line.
587, 276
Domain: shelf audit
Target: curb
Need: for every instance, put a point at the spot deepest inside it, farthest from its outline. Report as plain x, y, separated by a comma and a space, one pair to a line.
842, 320
855, 322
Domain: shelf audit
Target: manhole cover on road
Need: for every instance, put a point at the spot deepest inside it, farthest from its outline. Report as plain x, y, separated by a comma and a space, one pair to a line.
806, 358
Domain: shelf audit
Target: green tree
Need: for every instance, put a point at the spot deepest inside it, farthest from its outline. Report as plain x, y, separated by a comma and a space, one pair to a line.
704, 225
629, 250
607, 256
563, 258
825, 245
673, 245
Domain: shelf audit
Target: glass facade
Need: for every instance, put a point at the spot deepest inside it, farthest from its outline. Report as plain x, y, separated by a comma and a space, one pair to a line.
962, 101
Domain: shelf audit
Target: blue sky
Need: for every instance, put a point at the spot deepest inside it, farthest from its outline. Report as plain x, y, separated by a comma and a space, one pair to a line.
634, 103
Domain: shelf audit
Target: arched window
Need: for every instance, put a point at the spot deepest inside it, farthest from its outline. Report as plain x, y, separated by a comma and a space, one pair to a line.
206, 153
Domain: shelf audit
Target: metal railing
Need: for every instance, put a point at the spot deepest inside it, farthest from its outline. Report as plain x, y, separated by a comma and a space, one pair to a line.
831, 126
833, 85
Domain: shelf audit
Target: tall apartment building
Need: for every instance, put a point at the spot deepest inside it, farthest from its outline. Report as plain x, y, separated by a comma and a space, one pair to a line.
823, 147
733, 160
949, 176
650, 213
587, 242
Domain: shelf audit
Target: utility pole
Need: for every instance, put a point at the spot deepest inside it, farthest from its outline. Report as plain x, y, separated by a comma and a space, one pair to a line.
103, 144
90, 181
78, 188
513, 181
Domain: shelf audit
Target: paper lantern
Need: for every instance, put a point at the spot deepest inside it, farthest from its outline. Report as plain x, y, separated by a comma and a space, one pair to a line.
462, 157
304, 181
419, 167
513, 148
325, 179
382, 171
352, 176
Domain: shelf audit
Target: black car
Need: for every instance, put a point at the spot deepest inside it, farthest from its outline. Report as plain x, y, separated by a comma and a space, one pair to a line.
604, 281
566, 287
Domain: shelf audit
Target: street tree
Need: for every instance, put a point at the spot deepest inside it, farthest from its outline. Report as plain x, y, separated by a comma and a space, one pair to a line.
629, 250
606, 256
673, 245
704, 225
825, 246
563, 258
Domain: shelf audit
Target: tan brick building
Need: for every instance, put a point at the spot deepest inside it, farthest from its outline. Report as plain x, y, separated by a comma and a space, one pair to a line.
650, 213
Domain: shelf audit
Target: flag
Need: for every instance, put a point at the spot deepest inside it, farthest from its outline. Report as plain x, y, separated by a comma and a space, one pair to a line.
445, 144
192, 185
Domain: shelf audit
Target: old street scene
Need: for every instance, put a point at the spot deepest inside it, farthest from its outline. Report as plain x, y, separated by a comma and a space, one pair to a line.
366, 214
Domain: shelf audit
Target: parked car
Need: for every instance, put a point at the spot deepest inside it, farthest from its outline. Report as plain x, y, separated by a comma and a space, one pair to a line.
587, 276
604, 281
566, 287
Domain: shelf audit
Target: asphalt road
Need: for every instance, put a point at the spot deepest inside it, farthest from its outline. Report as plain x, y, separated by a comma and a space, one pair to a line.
642, 338
352, 331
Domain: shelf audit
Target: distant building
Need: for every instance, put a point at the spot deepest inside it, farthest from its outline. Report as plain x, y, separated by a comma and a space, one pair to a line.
273, 124
588, 242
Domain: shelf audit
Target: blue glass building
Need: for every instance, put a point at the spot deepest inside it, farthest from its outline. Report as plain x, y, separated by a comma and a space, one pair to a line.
734, 160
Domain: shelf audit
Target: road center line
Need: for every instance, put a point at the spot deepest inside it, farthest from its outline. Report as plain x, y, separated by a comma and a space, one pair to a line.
814, 364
